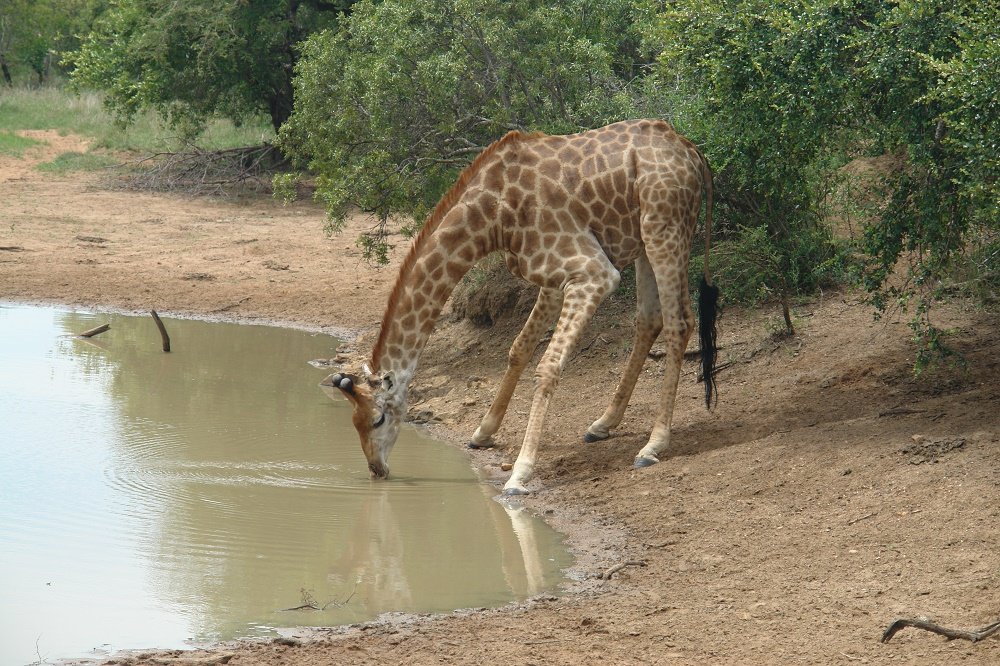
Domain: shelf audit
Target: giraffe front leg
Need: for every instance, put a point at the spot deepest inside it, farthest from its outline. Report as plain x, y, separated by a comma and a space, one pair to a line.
579, 305
545, 309
648, 322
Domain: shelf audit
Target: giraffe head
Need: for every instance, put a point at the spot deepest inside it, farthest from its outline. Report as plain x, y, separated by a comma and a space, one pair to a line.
377, 414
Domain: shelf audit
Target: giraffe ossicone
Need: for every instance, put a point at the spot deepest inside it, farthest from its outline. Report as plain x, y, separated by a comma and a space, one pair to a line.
567, 213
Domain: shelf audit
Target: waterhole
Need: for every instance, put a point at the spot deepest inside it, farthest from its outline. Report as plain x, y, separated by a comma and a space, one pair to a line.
162, 500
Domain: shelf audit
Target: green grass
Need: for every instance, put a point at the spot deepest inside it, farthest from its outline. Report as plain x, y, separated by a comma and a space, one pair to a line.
14, 145
54, 108
74, 161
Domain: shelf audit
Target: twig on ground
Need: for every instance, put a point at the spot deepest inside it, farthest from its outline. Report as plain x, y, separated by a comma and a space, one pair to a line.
716, 370
618, 567
974, 636
672, 542
864, 517
696, 353
232, 305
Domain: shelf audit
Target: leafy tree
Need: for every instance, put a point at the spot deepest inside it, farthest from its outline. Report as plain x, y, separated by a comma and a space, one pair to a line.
779, 90
34, 32
763, 86
390, 106
930, 75
192, 59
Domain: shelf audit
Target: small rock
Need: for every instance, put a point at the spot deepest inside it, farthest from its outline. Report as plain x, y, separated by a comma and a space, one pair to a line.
506, 467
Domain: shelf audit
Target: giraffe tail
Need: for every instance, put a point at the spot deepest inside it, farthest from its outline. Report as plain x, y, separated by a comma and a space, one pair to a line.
708, 299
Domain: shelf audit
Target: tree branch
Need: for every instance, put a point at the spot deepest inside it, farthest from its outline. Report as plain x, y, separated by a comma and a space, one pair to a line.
951, 634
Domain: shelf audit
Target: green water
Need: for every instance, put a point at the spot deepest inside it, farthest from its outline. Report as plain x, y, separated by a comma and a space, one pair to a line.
155, 500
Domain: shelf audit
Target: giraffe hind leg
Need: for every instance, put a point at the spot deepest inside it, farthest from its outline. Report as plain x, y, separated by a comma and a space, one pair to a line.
669, 262
648, 322
542, 315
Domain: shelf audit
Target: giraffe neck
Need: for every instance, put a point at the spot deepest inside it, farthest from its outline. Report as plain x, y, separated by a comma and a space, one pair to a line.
427, 277
461, 230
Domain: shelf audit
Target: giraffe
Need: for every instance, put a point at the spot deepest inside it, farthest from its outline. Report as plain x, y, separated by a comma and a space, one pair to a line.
567, 212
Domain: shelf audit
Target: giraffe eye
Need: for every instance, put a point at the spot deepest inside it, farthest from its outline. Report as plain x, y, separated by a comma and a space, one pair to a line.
379, 421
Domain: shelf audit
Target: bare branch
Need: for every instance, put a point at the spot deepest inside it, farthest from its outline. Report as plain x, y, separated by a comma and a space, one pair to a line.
974, 636
199, 171
618, 567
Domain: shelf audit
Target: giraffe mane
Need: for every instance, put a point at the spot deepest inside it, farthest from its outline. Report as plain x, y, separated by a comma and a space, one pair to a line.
444, 205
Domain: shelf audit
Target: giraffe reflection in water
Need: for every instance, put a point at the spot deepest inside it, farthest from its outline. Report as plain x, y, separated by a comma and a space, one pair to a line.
374, 567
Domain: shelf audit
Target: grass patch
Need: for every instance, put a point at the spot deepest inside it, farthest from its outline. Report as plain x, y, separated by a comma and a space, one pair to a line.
14, 145
74, 161
58, 109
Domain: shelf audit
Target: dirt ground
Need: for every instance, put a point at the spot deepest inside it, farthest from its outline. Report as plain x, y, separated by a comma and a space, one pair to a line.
827, 494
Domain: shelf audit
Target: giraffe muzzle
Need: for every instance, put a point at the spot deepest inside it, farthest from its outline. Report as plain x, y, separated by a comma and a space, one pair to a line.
378, 470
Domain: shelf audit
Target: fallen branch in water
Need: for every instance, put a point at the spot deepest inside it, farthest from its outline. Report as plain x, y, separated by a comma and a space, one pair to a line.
951, 634
95, 331
618, 567
163, 330
309, 603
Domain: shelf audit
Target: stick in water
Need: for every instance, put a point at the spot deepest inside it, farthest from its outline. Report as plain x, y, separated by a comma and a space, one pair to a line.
95, 331
163, 330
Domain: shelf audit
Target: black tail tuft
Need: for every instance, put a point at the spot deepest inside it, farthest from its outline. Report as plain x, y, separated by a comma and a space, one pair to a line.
708, 299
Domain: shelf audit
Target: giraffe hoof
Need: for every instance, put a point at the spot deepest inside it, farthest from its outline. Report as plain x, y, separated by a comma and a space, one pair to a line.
644, 461
488, 444
590, 437
514, 491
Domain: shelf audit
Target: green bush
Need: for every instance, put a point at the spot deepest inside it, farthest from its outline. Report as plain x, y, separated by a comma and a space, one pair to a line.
781, 93
393, 105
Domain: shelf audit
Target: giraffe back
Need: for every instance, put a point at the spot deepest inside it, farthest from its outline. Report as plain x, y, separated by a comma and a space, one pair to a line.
545, 191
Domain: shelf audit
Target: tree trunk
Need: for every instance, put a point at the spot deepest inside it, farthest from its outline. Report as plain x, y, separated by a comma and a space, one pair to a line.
280, 104
6, 72
786, 310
